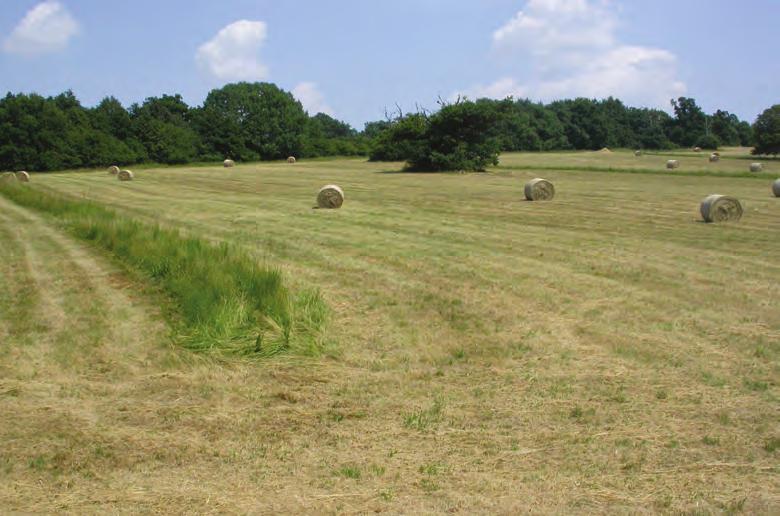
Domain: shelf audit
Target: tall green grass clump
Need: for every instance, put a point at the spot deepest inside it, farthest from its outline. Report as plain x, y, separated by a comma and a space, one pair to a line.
225, 301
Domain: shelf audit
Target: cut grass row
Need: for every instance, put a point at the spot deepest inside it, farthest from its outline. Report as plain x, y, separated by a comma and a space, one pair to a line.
223, 300
649, 171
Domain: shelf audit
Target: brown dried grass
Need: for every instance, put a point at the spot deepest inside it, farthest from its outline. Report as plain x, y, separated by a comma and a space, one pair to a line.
539, 190
721, 208
330, 197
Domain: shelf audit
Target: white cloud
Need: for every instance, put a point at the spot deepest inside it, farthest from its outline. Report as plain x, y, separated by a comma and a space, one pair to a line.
46, 28
549, 26
569, 48
312, 99
501, 89
234, 53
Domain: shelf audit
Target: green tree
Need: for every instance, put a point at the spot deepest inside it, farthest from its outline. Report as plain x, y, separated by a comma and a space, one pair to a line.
460, 136
725, 127
649, 128
746, 137
33, 134
766, 131
163, 126
249, 121
326, 136
690, 122
405, 138
515, 127
322, 125
372, 129
550, 129
709, 142
111, 118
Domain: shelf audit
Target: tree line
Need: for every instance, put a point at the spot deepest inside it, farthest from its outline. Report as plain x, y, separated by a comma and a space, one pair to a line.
470, 135
243, 121
260, 121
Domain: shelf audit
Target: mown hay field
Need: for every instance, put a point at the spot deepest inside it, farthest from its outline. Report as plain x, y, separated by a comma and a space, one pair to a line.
603, 351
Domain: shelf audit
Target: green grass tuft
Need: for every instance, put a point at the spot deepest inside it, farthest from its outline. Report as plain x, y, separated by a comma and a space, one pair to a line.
422, 419
350, 471
224, 300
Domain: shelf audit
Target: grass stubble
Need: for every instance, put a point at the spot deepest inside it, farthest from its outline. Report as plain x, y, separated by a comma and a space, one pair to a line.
605, 351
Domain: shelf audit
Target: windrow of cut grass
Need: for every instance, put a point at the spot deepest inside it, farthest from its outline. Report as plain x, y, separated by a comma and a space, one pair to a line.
731, 163
223, 300
647, 171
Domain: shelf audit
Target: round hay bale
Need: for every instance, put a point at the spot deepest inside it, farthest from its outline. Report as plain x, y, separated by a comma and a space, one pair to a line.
776, 188
330, 197
714, 158
697, 149
291, 160
672, 164
7, 177
113, 170
229, 163
721, 208
539, 190
125, 175
756, 167
637, 153
23, 176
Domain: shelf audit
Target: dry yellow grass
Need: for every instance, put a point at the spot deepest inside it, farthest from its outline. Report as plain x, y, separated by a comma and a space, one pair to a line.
721, 208
604, 351
539, 190
330, 197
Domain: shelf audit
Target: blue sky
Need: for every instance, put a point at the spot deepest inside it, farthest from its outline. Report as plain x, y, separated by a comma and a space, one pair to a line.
353, 58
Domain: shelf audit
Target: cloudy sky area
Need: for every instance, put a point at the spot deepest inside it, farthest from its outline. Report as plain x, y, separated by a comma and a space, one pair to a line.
354, 58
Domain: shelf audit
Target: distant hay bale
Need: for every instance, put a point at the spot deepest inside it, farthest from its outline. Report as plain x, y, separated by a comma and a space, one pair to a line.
125, 175
539, 190
229, 163
7, 177
756, 167
291, 160
714, 158
637, 153
721, 208
113, 170
776, 188
672, 164
23, 176
697, 149
605, 150
330, 197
